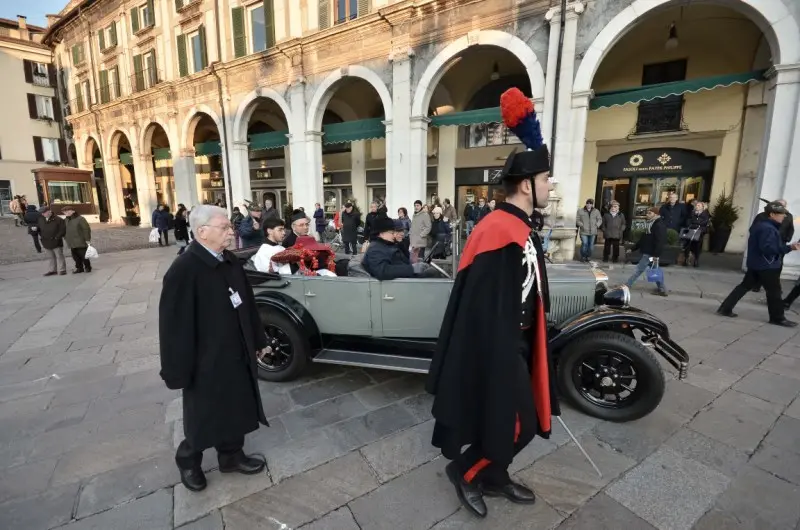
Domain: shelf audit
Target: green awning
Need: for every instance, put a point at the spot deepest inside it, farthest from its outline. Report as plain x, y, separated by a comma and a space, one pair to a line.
126, 159
208, 148
268, 140
162, 153
351, 131
649, 92
467, 117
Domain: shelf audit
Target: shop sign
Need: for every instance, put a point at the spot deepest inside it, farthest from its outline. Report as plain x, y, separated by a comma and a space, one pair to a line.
263, 174
658, 162
636, 163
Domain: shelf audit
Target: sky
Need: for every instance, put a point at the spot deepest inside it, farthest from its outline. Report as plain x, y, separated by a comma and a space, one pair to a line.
35, 10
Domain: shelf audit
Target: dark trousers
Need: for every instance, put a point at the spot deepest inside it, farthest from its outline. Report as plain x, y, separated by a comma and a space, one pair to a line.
164, 233
611, 246
81, 263
471, 462
694, 247
793, 294
188, 457
350, 247
36, 242
771, 280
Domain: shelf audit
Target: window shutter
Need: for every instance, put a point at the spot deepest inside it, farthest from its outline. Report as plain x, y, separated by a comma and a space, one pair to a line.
51, 75
363, 7
269, 22
28, 67
38, 151
183, 64
112, 34
78, 97
178, 5
138, 72
114, 81
56, 109
104, 93
62, 150
239, 42
202, 32
75, 54
32, 106
324, 14
135, 20
102, 39
152, 12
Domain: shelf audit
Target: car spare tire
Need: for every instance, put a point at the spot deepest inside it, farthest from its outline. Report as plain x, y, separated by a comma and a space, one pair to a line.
287, 348
611, 376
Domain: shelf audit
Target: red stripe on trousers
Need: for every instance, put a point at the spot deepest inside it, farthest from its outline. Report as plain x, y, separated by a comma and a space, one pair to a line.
469, 476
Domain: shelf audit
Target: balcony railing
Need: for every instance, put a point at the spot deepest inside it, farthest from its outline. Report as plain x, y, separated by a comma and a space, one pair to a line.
660, 115
41, 80
109, 93
147, 78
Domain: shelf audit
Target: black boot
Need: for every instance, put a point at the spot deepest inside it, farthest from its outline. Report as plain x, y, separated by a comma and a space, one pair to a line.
240, 463
193, 478
469, 494
511, 491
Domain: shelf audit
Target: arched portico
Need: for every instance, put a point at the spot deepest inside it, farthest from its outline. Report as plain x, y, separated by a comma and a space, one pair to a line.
248, 106
325, 92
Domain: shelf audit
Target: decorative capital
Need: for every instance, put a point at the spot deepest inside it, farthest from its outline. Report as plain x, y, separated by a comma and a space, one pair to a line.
187, 152
784, 74
582, 98
241, 146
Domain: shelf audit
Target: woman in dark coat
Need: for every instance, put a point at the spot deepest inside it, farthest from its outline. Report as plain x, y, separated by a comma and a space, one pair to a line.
31, 219
181, 228
210, 334
160, 220
698, 220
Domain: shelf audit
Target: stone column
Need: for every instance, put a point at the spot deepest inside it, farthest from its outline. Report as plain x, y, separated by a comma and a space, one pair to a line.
446, 171
287, 168
413, 183
116, 206
358, 171
145, 186
553, 16
307, 186
569, 186
240, 173
185, 179
564, 122
406, 149
790, 77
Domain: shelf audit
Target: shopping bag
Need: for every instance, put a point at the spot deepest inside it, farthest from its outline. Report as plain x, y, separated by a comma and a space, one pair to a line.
91, 253
654, 274
154, 237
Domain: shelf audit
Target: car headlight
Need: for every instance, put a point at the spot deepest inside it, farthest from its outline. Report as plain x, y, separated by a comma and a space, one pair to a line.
618, 297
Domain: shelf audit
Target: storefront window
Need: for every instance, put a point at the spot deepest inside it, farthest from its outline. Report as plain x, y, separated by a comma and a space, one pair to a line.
489, 134
68, 192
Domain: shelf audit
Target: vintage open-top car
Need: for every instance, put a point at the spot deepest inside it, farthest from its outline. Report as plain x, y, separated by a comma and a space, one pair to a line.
604, 349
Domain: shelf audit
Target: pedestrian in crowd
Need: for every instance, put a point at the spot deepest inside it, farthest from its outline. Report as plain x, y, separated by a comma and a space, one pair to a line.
613, 227
588, 220
351, 220
32, 216
384, 258
420, 230
182, 228
651, 245
673, 213
160, 220
275, 230
793, 294
18, 207
401, 237
404, 220
52, 229
250, 228
370, 217
470, 215
300, 225
697, 223
440, 233
319, 219
491, 374
786, 230
210, 335
449, 212
269, 210
78, 236
486, 208
765, 252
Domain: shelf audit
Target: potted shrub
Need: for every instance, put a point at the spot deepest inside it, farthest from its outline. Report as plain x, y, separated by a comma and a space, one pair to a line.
723, 216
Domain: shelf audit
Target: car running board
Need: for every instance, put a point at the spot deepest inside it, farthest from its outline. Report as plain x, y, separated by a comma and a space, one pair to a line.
373, 360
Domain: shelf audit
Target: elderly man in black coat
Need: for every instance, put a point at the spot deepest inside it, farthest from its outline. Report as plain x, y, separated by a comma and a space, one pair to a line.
210, 334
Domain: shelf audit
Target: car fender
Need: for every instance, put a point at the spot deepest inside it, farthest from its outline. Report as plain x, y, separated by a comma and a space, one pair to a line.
295, 311
606, 318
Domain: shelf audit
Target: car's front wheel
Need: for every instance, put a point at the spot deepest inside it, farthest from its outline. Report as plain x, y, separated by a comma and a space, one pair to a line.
610, 376
287, 348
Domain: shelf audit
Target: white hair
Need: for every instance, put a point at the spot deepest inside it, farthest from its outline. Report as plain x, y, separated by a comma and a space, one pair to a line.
202, 214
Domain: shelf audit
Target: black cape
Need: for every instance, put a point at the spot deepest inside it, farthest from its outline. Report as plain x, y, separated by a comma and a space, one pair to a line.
480, 338
208, 347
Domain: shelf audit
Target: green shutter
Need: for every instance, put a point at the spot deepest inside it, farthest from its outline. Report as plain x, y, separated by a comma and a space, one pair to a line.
135, 20
363, 7
104, 88
178, 5
202, 32
112, 34
114, 81
78, 97
239, 42
102, 38
324, 14
151, 10
74, 54
138, 73
269, 22
183, 64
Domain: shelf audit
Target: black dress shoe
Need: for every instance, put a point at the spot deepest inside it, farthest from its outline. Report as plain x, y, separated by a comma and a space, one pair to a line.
470, 495
729, 314
193, 478
511, 491
50, 273
241, 464
785, 323
77, 271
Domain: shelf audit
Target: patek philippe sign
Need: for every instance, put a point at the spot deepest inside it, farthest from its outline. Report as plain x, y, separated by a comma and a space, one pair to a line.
658, 162
637, 163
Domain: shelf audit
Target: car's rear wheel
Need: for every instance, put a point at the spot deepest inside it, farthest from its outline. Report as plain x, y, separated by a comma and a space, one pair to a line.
287, 348
611, 376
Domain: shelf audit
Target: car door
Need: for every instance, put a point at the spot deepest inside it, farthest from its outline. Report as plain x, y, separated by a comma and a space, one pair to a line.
339, 305
413, 308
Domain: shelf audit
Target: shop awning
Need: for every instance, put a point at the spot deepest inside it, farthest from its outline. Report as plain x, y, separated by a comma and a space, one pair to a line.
162, 153
351, 131
467, 117
268, 140
208, 148
126, 159
649, 92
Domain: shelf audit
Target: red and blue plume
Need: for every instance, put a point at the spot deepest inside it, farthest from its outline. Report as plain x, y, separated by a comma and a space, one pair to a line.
519, 116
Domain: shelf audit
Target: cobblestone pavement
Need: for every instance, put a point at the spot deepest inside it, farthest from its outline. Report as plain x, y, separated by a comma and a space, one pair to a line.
88, 430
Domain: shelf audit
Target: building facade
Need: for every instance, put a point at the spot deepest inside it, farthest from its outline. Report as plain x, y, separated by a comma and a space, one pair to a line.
305, 101
31, 129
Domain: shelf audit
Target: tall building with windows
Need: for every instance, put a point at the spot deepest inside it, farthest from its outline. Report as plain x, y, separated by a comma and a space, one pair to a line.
30, 129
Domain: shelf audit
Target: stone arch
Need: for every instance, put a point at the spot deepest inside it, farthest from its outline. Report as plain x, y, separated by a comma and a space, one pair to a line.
249, 104
88, 159
773, 18
324, 93
438, 66
190, 123
114, 135
147, 129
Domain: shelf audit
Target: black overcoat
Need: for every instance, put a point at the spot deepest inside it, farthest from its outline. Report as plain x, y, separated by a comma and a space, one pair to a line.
208, 347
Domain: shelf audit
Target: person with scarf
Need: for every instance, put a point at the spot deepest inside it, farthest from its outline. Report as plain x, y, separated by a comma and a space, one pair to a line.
491, 373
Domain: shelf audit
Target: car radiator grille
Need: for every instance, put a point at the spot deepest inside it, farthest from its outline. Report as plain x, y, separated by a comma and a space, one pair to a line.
563, 307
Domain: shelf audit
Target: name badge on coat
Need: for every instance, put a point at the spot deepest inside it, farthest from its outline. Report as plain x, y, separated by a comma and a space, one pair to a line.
236, 300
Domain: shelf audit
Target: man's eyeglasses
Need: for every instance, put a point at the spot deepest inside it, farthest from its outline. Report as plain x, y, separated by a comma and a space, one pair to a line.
224, 228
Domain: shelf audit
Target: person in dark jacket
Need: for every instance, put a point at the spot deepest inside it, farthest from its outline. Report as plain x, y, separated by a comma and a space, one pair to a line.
697, 221
651, 245
613, 227
440, 233
765, 252
210, 336
673, 214
368, 220
52, 230
160, 220
78, 236
319, 219
400, 238
182, 228
300, 224
236, 220
351, 220
786, 230
31, 219
384, 260
269, 211
250, 229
